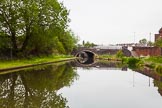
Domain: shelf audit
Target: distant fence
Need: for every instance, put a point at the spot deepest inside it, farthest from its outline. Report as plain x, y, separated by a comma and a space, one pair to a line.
148, 51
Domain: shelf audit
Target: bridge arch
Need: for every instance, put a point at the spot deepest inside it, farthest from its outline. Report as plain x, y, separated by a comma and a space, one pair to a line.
86, 56
89, 53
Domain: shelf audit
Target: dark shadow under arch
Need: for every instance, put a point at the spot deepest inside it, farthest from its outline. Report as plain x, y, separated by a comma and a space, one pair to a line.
86, 56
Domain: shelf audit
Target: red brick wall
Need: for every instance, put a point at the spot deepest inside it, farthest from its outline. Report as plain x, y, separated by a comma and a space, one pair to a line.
145, 51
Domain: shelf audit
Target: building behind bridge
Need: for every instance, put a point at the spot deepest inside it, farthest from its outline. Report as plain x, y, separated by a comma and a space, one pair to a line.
149, 50
144, 50
158, 36
129, 49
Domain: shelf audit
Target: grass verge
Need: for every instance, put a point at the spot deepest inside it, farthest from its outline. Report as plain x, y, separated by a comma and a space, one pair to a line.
109, 57
4, 64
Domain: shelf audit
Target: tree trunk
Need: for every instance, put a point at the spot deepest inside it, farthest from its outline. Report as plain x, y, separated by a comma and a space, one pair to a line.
13, 42
25, 43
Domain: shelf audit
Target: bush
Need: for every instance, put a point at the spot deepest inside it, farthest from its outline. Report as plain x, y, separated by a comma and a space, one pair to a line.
133, 62
152, 65
120, 54
159, 69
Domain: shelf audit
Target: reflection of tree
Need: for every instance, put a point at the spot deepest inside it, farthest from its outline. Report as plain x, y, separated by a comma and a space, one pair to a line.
101, 64
159, 85
36, 88
151, 73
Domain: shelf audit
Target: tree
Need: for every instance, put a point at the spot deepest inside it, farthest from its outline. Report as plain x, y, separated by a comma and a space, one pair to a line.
158, 43
33, 25
68, 40
89, 44
83, 43
143, 41
149, 43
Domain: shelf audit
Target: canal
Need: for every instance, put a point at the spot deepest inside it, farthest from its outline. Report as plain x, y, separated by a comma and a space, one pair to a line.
73, 85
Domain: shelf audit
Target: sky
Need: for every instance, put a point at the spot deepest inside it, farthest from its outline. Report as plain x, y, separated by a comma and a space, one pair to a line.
114, 21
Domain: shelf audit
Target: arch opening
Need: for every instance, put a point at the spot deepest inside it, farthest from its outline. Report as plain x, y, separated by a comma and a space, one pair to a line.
86, 57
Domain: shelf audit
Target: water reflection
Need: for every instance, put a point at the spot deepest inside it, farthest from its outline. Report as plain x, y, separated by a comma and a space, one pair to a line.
101, 64
159, 85
157, 78
109, 65
39, 87
36, 88
104, 84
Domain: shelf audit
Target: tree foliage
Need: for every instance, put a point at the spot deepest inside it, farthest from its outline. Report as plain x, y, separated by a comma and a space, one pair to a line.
120, 54
35, 26
143, 42
149, 43
158, 43
88, 44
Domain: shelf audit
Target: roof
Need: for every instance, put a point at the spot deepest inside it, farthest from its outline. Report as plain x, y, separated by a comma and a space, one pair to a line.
108, 47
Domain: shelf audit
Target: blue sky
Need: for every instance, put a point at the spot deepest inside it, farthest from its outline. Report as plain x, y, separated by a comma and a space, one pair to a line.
114, 21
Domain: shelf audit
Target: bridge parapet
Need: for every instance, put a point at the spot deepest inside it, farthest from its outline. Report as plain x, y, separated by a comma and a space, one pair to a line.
97, 51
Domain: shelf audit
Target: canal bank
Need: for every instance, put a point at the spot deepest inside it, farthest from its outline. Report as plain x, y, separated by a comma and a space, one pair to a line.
8, 65
153, 63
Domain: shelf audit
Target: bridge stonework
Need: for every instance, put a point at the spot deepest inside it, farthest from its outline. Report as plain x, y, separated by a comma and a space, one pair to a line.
126, 52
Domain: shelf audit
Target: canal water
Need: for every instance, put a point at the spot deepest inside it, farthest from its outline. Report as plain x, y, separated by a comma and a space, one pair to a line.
73, 85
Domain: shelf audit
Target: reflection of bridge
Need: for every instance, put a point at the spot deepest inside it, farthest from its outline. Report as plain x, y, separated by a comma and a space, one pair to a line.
102, 65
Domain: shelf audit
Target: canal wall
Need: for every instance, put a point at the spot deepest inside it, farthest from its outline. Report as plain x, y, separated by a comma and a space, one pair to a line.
150, 73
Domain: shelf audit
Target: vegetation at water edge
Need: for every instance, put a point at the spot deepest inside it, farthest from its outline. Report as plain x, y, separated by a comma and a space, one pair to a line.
31, 61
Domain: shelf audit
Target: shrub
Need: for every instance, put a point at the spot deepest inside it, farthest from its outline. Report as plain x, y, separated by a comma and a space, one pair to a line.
133, 62
159, 69
120, 54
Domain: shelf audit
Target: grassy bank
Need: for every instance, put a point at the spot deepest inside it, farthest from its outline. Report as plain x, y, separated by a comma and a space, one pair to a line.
129, 61
157, 60
109, 57
155, 63
32, 61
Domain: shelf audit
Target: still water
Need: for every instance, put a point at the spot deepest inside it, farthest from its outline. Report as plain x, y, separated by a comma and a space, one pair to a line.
71, 85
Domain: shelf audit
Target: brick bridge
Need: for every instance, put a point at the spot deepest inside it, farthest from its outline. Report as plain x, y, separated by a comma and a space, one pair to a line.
91, 52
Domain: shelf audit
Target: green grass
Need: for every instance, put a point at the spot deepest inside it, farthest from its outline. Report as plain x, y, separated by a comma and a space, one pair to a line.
158, 69
154, 59
107, 56
30, 61
153, 62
